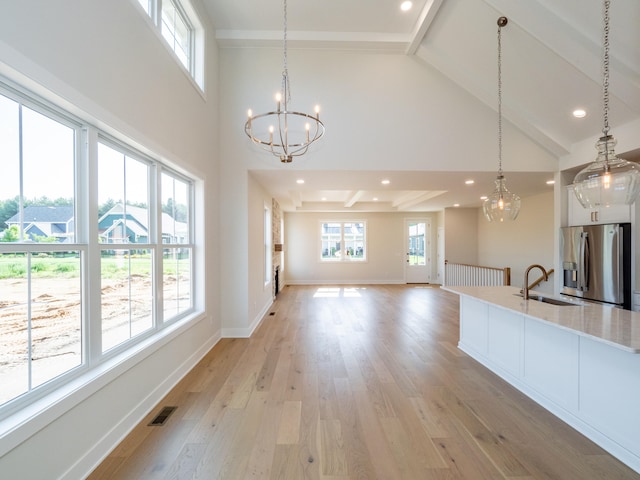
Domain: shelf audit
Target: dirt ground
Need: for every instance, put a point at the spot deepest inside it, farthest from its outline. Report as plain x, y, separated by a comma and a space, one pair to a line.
55, 333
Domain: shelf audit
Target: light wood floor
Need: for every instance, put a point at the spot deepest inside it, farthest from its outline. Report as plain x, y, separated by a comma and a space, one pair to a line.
354, 383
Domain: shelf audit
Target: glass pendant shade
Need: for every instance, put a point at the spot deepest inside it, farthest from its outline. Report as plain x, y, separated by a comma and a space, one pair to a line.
609, 180
501, 205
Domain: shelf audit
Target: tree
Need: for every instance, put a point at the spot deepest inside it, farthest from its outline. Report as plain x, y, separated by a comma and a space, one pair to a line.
8, 208
11, 234
105, 207
176, 210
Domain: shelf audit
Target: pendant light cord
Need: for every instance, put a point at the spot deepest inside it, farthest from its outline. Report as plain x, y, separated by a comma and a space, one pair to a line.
502, 21
286, 85
605, 69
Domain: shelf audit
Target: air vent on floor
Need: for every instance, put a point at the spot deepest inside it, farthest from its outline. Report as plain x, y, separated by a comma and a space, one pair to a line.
162, 417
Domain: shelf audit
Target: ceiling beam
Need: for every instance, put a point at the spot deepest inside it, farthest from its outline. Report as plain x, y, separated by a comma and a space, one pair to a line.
422, 26
353, 198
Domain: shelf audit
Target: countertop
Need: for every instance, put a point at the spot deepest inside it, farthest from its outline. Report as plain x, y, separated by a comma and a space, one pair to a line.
614, 326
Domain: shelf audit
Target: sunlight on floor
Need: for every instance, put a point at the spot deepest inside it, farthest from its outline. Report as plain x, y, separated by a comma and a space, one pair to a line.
336, 292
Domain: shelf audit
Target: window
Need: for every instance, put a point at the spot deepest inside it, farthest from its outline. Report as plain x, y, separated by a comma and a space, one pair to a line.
177, 245
178, 24
126, 249
343, 241
88, 267
177, 31
40, 263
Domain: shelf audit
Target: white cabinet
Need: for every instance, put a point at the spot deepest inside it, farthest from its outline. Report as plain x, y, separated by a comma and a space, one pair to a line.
591, 385
578, 215
474, 324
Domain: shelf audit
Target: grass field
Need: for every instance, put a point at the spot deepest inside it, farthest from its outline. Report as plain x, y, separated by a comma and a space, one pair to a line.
112, 266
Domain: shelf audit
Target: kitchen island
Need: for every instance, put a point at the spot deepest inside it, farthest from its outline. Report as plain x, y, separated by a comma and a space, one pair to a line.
580, 361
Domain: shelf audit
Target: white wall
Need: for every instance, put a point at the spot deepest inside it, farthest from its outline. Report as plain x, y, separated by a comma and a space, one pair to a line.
104, 62
461, 236
261, 294
385, 244
381, 111
527, 240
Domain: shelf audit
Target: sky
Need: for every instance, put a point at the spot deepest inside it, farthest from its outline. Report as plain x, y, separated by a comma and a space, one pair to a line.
48, 162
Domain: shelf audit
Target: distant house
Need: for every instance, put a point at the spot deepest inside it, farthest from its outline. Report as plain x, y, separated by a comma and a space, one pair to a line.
46, 221
116, 226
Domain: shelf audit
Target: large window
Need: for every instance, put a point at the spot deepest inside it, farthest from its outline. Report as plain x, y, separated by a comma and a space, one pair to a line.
177, 245
126, 246
343, 241
40, 263
180, 27
95, 249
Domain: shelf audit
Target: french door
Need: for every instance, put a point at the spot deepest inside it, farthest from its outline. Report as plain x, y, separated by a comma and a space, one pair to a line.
417, 267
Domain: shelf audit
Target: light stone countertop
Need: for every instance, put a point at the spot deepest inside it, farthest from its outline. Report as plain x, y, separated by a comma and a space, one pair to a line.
614, 326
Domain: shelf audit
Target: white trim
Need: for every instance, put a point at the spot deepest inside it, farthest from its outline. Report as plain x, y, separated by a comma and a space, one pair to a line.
35, 416
342, 281
247, 332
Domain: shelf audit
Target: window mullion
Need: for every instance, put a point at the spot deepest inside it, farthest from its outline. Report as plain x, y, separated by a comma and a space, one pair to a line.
155, 237
87, 213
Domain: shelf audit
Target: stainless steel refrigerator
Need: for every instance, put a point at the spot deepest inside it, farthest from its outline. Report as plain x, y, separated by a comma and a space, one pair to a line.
596, 263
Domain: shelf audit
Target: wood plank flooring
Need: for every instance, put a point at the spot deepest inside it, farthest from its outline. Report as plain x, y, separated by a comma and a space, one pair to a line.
352, 382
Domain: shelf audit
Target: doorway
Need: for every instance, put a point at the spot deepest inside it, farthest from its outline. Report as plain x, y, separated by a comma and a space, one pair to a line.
417, 267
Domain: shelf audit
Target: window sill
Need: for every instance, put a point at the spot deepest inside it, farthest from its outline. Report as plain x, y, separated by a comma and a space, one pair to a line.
36, 415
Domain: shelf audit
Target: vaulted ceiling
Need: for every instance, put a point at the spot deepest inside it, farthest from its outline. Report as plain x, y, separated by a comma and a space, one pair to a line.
552, 54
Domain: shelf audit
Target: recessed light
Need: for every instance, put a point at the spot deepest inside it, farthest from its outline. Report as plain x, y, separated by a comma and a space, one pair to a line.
324, 199
579, 113
484, 197
375, 199
406, 6
469, 182
550, 182
386, 182
456, 204
300, 181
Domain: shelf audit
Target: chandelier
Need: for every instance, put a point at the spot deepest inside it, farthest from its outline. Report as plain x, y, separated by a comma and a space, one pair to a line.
608, 180
282, 132
501, 205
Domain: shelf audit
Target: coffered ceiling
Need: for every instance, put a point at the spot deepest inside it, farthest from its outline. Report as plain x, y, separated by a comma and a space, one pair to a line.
554, 54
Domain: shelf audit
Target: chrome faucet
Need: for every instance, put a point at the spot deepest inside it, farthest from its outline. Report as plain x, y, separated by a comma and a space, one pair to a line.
525, 285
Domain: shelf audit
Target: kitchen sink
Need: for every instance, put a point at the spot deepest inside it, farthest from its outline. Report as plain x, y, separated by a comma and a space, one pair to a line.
551, 301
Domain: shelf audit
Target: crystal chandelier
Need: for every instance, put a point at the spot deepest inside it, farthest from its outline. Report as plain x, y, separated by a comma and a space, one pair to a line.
284, 133
501, 205
608, 180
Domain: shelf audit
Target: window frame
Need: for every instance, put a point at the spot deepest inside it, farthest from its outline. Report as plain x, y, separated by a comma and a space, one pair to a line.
195, 67
343, 258
93, 360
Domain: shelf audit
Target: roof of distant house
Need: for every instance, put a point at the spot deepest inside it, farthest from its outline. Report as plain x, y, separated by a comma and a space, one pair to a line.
46, 214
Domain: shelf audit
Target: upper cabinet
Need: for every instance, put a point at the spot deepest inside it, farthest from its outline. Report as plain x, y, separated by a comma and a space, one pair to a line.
578, 215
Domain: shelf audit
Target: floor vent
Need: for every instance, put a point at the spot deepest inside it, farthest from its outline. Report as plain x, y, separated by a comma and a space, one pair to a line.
162, 417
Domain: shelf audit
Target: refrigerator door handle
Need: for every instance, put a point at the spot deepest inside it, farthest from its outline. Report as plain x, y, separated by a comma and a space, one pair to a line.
583, 267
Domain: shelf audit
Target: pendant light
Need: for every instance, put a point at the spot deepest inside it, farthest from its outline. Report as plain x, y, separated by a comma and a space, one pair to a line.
502, 204
284, 133
608, 180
